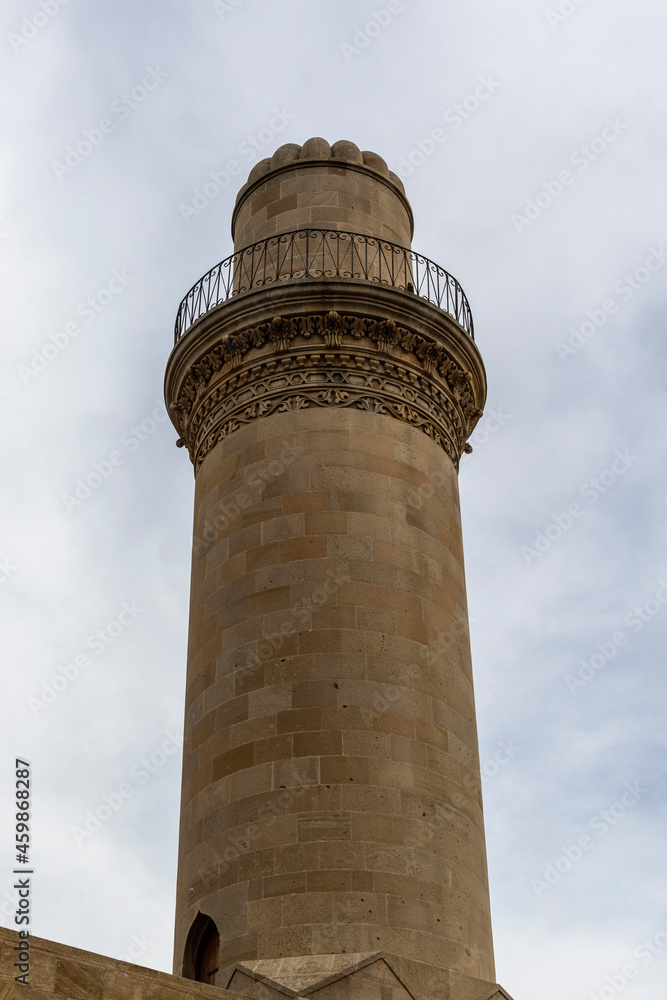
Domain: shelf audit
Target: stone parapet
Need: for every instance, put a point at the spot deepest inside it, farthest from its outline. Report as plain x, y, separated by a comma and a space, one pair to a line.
59, 971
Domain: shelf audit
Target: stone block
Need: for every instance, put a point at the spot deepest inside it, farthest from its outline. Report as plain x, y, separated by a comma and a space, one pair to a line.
233, 760
309, 908
295, 857
341, 770
317, 744
323, 827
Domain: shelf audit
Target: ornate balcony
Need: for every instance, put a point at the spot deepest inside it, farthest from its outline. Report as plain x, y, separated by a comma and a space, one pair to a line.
320, 254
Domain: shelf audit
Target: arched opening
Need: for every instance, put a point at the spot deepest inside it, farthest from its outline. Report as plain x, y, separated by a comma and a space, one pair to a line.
202, 949
206, 958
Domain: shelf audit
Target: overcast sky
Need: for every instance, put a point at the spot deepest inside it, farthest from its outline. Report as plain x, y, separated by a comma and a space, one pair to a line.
543, 192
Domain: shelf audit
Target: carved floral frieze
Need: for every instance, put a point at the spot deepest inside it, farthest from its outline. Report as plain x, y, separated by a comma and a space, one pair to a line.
325, 360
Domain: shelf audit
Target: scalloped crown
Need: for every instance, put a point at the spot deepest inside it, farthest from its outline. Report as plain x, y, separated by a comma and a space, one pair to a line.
317, 148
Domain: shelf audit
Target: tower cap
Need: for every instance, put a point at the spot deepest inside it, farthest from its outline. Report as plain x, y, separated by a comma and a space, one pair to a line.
341, 177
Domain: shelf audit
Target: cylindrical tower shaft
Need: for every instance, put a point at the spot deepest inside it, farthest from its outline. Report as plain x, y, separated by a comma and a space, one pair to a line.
331, 800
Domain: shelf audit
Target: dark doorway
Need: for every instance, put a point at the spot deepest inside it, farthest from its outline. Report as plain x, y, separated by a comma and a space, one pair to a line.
206, 958
202, 951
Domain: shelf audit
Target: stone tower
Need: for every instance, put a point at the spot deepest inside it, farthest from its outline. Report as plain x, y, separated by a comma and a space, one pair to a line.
325, 381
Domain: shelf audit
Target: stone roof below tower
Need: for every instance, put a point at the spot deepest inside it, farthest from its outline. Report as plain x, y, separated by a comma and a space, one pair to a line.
63, 973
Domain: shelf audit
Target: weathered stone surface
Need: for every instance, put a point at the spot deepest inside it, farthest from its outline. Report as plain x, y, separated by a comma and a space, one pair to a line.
353, 744
306, 973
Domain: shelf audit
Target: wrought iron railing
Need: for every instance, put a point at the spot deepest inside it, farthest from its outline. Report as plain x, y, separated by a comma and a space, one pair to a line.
324, 253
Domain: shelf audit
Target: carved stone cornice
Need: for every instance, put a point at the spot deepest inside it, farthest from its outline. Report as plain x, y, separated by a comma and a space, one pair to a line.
324, 359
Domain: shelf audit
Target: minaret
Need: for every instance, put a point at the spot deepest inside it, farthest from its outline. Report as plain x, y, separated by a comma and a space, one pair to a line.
325, 381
